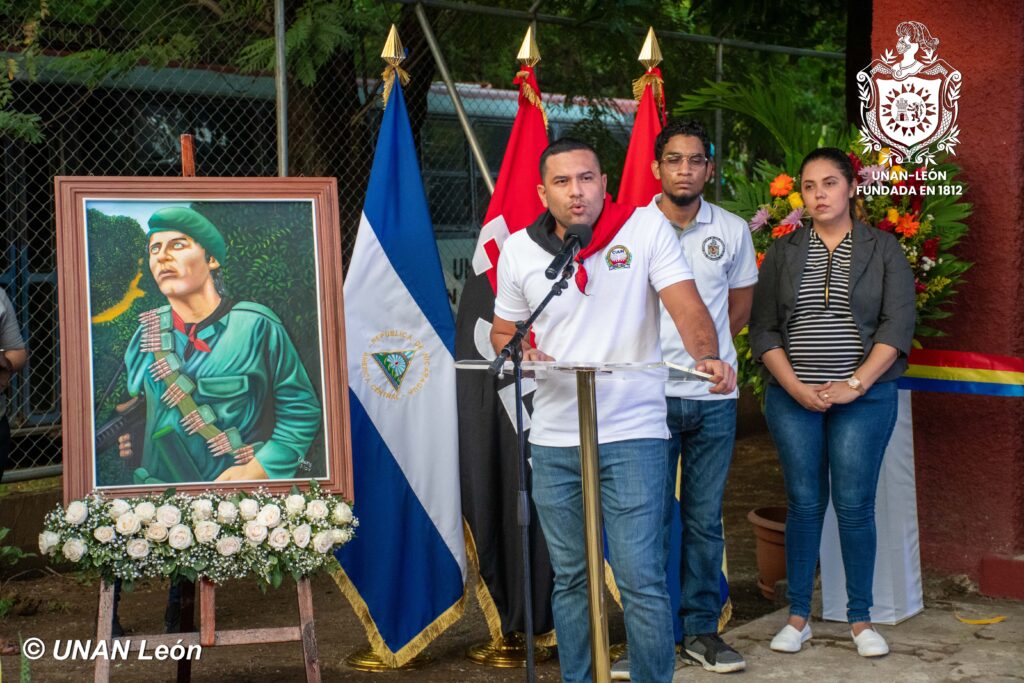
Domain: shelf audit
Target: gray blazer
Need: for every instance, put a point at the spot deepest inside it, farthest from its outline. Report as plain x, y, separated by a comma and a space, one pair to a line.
882, 296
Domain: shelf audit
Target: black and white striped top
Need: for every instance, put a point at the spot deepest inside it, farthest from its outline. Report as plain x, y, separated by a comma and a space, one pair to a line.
824, 344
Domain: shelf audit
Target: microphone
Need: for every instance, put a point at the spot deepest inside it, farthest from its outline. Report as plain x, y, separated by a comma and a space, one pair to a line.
577, 236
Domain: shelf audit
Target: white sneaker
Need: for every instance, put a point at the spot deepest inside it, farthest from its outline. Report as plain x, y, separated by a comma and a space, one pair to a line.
791, 640
620, 669
870, 643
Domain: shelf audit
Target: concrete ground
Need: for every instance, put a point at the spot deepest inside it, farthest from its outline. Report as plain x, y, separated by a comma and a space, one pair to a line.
932, 646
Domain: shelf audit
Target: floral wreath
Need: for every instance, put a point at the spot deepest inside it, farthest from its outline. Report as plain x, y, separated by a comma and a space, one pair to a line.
215, 535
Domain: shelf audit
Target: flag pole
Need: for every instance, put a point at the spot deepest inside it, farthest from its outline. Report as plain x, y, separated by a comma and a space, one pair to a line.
528, 55
366, 659
460, 111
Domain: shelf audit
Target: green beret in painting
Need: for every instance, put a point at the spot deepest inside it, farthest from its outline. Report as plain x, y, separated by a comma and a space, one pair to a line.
192, 223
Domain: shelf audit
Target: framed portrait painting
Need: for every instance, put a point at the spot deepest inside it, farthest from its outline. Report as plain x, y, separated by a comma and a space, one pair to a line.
202, 338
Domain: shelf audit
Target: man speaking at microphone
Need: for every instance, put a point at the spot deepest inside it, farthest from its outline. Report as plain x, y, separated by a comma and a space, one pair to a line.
609, 313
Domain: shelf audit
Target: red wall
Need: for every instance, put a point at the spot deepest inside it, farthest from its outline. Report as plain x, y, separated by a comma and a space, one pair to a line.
969, 450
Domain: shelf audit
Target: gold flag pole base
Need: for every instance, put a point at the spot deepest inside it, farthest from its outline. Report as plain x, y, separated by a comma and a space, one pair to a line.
366, 660
507, 652
617, 651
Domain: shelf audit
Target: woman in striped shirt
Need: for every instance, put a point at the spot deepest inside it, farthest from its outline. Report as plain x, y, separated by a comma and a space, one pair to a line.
832, 321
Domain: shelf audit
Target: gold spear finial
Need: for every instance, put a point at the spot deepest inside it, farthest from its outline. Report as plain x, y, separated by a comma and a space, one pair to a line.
650, 53
529, 55
393, 52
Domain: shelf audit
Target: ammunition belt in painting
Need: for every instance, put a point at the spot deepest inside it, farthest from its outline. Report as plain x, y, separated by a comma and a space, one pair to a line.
158, 339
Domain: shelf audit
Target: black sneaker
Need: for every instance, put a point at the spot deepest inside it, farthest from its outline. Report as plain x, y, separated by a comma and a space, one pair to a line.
712, 653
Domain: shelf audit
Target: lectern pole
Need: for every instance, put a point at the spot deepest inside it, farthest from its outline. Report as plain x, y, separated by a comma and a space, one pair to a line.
587, 399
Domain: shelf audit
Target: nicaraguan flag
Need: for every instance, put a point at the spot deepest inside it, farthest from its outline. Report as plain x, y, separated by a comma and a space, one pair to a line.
405, 571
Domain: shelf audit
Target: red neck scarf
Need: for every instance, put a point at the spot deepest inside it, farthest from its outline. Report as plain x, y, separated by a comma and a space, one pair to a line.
190, 331
613, 217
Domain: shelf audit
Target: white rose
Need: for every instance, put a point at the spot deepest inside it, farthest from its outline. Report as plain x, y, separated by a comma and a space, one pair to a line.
301, 535
269, 515
137, 548
227, 512
206, 531
118, 507
341, 536
48, 541
104, 534
202, 509
145, 511
179, 537
254, 532
323, 542
342, 513
76, 513
249, 508
168, 515
279, 538
316, 510
74, 548
156, 532
229, 545
128, 524
295, 504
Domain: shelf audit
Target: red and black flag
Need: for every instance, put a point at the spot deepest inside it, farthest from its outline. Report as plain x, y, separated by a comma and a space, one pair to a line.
488, 444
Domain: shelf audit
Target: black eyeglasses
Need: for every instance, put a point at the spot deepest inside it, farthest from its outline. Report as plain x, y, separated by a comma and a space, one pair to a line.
674, 161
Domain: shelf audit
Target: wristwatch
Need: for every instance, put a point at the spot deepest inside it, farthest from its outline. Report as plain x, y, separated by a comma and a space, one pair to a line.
856, 385
709, 357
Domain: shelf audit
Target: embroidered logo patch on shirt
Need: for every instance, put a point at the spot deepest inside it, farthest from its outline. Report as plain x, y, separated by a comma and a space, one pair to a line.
618, 257
713, 248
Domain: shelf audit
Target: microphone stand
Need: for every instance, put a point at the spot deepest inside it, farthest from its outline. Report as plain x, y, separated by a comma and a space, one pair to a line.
514, 350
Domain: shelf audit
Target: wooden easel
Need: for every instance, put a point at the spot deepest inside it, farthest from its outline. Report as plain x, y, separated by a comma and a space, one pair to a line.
208, 636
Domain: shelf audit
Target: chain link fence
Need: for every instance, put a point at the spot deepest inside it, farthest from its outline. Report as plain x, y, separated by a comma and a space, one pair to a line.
106, 88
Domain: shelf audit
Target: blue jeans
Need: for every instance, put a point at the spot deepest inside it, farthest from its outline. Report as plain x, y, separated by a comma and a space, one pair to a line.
633, 504
705, 432
845, 443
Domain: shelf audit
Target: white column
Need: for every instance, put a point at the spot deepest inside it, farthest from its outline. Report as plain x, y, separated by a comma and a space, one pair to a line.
897, 586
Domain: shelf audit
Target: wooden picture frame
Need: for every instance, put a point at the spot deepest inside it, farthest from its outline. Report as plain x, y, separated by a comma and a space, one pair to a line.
96, 245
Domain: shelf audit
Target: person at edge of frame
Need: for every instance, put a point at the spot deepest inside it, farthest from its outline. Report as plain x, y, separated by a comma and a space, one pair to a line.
608, 313
833, 321
720, 251
13, 357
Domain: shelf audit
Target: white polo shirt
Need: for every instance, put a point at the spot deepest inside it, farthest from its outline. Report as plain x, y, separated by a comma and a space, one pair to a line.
720, 251
616, 321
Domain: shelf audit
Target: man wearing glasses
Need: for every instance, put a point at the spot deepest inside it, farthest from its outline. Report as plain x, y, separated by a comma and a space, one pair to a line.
703, 425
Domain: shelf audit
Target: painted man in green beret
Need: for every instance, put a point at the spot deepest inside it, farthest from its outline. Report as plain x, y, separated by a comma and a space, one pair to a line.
227, 397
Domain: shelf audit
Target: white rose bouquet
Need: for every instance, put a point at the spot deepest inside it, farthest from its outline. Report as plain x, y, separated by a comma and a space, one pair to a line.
217, 535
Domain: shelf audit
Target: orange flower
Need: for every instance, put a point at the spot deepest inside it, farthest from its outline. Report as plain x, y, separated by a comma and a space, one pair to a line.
760, 259
781, 186
907, 226
783, 229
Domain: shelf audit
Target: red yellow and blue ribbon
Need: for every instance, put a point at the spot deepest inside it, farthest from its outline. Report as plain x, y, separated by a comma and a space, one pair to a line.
962, 372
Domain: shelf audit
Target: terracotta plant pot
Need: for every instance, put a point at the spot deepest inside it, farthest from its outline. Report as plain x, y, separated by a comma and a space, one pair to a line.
770, 529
